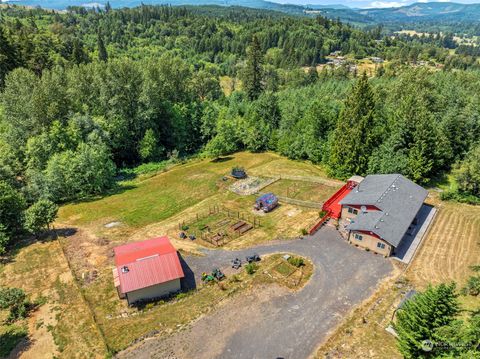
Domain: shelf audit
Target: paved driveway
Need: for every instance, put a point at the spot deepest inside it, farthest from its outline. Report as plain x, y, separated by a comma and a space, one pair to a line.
289, 325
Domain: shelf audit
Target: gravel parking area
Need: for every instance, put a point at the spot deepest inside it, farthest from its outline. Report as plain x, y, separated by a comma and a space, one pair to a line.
273, 322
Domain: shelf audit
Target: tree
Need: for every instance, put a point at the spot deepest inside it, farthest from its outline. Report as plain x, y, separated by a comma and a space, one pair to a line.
262, 121
4, 239
354, 137
253, 75
12, 205
312, 75
8, 56
79, 56
149, 148
422, 315
40, 215
102, 50
226, 139
467, 175
86, 171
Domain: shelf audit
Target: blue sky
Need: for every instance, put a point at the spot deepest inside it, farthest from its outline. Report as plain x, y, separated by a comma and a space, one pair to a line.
366, 3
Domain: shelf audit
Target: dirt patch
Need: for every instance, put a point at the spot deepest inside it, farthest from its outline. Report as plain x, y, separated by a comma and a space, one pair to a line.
40, 342
196, 341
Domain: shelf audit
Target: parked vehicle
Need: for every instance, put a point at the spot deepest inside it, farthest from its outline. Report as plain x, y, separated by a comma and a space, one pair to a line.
236, 263
252, 258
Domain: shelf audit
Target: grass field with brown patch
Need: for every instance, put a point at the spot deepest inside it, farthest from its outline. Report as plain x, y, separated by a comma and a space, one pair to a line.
63, 326
452, 246
74, 273
302, 190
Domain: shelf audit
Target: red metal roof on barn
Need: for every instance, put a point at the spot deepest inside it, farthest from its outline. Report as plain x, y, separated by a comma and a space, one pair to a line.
149, 262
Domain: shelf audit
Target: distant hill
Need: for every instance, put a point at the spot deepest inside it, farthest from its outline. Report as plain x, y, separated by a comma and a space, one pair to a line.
433, 15
435, 11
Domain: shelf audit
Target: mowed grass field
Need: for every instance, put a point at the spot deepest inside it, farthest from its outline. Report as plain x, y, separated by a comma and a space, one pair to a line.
452, 245
82, 313
302, 190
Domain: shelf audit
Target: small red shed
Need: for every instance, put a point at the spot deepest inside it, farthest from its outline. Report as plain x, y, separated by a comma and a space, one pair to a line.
147, 270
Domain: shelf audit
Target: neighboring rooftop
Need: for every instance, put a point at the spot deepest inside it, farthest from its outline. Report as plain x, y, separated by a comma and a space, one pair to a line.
146, 263
398, 200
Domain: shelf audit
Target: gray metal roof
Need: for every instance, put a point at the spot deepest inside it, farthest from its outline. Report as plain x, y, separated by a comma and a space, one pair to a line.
398, 199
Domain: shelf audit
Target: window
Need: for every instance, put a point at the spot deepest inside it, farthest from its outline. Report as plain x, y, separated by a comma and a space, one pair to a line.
358, 237
352, 210
381, 245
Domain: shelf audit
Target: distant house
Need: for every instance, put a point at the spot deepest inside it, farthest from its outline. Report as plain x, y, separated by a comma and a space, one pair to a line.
147, 270
380, 210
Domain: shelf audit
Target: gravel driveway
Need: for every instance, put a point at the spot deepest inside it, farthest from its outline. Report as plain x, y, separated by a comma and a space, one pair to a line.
285, 324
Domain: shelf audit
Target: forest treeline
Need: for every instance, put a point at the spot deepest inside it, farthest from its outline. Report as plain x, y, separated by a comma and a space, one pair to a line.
208, 36
144, 85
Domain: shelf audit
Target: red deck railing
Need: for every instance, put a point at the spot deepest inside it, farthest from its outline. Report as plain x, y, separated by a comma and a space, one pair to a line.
332, 206
319, 223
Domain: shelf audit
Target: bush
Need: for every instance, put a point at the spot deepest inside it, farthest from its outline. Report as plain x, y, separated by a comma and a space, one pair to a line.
473, 286
15, 300
251, 268
304, 231
40, 215
296, 261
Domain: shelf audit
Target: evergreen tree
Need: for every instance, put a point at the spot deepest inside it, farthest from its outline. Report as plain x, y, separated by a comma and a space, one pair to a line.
79, 56
312, 75
354, 136
422, 315
102, 50
8, 56
468, 173
253, 76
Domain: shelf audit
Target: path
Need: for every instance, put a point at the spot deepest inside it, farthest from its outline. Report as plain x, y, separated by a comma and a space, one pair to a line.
278, 324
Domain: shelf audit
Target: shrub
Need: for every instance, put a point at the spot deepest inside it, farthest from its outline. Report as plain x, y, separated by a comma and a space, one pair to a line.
251, 268
473, 286
181, 295
296, 261
15, 300
304, 231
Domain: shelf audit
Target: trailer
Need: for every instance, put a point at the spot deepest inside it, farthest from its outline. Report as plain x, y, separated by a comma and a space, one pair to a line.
266, 203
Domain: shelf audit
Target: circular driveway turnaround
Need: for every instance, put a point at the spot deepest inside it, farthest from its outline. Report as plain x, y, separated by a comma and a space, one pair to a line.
290, 325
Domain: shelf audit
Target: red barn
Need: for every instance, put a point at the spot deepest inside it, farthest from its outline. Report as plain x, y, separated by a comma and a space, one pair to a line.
147, 270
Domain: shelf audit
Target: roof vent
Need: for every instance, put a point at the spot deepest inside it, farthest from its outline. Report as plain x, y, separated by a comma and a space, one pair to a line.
125, 269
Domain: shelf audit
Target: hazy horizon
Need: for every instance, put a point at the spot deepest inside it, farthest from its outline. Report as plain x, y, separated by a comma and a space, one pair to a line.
59, 4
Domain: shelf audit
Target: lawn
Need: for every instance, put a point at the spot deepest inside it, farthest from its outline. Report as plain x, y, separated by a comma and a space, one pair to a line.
154, 199
302, 190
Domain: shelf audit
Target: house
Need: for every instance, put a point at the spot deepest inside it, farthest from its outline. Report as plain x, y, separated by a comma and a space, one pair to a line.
147, 270
378, 212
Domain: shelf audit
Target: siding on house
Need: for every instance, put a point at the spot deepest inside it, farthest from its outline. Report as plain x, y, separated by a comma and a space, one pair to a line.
346, 214
371, 242
154, 291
